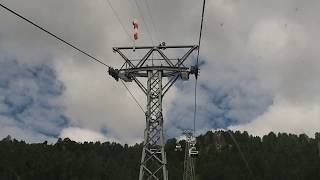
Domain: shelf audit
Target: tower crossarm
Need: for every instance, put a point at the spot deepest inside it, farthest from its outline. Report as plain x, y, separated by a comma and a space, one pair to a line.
152, 49
142, 71
133, 69
161, 68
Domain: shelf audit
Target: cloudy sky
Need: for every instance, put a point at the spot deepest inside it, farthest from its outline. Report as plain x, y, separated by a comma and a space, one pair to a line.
260, 67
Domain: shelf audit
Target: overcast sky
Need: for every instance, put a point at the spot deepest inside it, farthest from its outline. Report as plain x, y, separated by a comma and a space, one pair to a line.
260, 67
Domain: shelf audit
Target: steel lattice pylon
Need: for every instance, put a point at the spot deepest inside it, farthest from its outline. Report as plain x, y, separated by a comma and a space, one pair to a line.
189, 158
153, 160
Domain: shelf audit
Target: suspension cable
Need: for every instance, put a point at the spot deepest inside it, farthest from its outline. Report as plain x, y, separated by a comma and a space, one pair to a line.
125, 30
122, 25
197, 64
152, 21
55, 36
118, 18
195, 107
242, 155
145, 24
137, 102
67, 43
200, 34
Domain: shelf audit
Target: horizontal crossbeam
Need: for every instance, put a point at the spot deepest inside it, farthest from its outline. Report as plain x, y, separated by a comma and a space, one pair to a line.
156, 68
150, 47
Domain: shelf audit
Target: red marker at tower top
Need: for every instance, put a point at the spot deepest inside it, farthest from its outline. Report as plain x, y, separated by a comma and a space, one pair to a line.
135, 29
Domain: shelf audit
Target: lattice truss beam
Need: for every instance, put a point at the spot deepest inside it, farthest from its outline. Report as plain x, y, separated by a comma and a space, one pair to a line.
173, 68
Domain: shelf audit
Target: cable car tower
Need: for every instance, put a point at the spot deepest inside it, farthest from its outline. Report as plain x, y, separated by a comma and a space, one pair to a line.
153, 160
190, 154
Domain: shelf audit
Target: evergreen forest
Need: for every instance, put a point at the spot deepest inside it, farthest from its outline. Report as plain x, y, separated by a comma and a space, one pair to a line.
223, 155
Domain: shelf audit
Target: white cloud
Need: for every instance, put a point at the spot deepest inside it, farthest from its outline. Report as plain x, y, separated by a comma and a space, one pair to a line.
82, 135
287, 117
96, 101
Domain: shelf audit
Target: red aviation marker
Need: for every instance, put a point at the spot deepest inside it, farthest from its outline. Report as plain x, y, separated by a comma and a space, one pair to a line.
135, 32
135, 29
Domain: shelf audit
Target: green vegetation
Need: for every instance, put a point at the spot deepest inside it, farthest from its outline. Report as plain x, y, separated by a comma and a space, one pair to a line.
282, 156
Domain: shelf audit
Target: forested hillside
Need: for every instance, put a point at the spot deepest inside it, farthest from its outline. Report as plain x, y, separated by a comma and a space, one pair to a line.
273, 157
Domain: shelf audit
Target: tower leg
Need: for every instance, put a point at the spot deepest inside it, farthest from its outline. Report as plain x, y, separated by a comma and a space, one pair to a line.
189, 171
153, 160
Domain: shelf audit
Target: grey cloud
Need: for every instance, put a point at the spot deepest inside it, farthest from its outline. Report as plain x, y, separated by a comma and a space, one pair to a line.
254, 52
29, 99
248, 76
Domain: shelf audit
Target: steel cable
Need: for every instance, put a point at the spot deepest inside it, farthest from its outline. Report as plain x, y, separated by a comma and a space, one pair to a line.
53, 35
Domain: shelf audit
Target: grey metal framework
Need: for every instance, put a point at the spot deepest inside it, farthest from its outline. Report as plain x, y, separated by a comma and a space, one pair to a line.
153, 160
189, 159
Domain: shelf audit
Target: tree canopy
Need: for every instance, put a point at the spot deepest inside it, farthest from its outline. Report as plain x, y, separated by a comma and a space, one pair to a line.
274, 156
